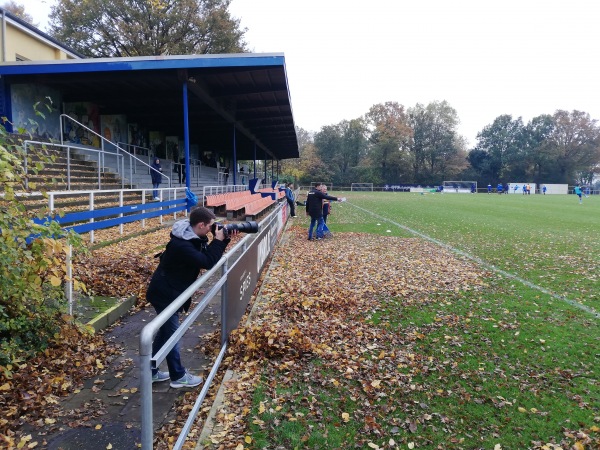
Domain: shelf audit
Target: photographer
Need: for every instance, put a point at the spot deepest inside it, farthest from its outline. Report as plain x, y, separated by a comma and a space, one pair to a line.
185, 255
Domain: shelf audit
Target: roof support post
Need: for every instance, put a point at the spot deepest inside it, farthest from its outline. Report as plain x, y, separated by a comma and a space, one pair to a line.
186, 135
254, 160
234, 157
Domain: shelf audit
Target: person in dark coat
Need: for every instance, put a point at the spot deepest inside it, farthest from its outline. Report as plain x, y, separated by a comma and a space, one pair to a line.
156, 174
187, 252
314, 209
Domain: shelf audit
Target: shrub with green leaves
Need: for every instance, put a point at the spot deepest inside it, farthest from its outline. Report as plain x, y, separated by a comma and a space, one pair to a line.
32, 271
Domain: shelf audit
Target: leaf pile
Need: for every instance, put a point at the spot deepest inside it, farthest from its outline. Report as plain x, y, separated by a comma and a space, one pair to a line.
30, 391
318, 301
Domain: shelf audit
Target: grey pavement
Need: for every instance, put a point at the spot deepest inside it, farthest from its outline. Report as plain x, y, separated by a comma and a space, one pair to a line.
105, 413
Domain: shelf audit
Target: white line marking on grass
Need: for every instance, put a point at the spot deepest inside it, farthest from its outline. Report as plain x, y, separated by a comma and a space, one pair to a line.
485, 264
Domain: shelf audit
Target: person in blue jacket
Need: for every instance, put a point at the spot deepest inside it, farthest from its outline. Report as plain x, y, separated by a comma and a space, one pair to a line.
489, 188
499, 188
578, 192
156, 175
289, 196
187, 252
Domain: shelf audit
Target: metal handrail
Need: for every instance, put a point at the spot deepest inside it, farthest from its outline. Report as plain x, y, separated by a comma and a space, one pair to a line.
68, 147
119, 149
147, 360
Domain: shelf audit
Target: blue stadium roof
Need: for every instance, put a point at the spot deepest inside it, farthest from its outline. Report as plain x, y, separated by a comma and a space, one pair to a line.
247, 90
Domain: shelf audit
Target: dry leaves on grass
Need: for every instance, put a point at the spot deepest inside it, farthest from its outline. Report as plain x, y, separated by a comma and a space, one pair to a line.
317, 301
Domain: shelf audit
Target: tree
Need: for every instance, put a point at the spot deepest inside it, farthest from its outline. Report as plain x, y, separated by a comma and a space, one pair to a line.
435, 140
19, 10
574, 144
293, 169
503, 143
537, 149
108, 28
389, 135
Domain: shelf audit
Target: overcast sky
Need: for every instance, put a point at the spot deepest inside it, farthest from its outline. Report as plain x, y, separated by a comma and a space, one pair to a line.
486, 58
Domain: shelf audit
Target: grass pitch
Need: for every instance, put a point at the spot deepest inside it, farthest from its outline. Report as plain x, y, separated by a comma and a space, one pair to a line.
428, 321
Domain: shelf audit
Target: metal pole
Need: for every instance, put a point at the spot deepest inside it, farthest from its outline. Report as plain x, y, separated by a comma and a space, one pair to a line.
234, 157
146, 393
224, 304
186, 135
70, 279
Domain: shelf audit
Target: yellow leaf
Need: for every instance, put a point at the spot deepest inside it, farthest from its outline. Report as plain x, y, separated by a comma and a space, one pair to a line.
240, 447
261, 408
49, 421
345, 417
248, 440
99, 364
5, 387
375, 383
578, 446
98, 426
372, 445
411, 445
109, 446
55, 281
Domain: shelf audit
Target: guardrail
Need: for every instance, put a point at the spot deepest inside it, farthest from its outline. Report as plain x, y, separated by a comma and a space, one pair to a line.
104, 141
68, 148
235, 285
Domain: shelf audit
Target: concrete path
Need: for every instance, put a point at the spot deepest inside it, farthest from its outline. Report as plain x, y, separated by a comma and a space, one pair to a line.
105, 413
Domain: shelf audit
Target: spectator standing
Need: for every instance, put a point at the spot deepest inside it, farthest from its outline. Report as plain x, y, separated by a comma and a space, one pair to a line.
187, 252
544, 188
473, 189
489, 188
314, 209
226, 175
289, 196
181, 170
156, 175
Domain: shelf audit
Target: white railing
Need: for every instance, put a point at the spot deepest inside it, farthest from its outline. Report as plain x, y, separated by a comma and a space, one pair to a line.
105, 141
68, 147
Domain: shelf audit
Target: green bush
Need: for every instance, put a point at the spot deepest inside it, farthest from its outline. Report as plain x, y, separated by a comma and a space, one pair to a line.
32, 271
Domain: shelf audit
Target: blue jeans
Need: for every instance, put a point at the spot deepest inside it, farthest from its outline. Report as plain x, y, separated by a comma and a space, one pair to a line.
155, 192
319, 222
176, 369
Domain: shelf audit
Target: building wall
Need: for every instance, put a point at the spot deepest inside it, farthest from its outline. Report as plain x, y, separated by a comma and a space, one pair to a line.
23, 42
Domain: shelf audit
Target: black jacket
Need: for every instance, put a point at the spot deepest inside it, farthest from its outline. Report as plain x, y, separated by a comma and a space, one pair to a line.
314, 203
156, 176
180, 264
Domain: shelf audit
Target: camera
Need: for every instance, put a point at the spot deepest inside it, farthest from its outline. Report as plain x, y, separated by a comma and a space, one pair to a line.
243, 227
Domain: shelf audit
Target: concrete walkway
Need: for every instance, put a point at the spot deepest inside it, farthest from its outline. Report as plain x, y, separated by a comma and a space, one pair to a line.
105, 413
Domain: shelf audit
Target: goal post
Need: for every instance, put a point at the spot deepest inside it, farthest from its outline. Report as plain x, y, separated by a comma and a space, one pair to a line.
361, 187
460, 187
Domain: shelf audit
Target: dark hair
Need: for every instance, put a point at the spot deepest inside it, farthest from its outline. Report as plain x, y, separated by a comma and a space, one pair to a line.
201, 214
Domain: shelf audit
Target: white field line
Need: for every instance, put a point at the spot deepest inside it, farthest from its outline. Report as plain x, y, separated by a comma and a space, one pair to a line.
485, 264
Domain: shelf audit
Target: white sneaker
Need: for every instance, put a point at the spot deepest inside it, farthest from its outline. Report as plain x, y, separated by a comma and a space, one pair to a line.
188, 380
160, 376
156, 198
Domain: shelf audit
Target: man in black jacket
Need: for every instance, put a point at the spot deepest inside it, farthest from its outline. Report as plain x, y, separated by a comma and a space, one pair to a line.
314, 209
187, 252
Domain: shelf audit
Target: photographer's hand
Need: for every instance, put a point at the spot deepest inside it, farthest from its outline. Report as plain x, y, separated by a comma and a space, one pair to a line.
219, 234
